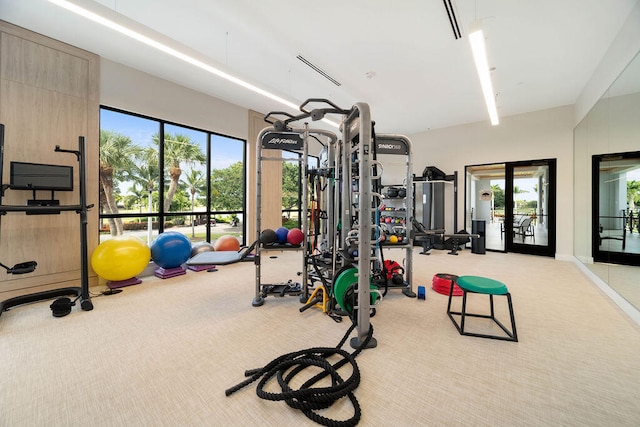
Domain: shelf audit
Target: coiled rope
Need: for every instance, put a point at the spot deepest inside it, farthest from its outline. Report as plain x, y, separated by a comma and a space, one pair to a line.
307, 398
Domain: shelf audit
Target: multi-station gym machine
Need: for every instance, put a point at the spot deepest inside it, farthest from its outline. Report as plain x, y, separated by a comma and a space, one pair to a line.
341, 203
298, 141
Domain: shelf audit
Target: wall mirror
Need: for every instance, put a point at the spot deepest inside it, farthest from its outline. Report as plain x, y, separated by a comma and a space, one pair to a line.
606, 181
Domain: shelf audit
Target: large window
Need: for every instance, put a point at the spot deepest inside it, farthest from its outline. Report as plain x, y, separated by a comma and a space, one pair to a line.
292, 187
157, 176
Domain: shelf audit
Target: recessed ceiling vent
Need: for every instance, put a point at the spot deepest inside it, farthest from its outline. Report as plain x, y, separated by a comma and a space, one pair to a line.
451, 13
318, 70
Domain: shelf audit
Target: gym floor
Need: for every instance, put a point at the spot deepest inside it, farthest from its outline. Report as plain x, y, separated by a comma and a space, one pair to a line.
163, 352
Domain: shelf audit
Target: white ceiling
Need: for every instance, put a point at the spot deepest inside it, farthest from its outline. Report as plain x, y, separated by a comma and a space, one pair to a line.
543, 51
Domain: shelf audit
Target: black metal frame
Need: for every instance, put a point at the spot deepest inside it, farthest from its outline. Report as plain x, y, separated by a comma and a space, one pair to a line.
511, 335
511, 244
600, 255
160, 213
82, 291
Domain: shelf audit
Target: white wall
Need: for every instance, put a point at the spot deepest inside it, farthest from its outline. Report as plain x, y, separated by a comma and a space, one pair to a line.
538, 135
620, 53
593, 134
541, 134
134, 91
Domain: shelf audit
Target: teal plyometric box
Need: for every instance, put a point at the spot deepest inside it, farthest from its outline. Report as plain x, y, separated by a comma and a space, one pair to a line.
422, 294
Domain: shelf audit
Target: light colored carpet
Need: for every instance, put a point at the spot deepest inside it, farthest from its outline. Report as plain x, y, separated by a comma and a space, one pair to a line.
163, 352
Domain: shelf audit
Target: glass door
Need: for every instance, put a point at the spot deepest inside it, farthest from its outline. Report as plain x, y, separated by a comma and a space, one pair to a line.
530, 207
514, 203
485, 202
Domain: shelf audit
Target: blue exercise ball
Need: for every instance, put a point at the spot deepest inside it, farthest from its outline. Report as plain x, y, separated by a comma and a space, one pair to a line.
170, 249
281, 234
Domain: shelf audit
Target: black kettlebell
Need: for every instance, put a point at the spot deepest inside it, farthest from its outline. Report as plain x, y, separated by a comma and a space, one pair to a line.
397, 279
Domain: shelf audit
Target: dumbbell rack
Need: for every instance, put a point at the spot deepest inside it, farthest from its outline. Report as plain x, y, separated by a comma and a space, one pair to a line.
396, 150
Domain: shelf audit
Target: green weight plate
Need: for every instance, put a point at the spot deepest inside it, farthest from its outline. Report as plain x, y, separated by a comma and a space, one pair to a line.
342, 283
345, 279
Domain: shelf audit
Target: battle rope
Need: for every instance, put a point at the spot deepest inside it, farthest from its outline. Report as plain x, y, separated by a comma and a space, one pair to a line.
308, 399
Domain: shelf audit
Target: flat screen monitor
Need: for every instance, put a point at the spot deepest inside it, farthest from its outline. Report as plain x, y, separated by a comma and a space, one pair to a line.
37, 176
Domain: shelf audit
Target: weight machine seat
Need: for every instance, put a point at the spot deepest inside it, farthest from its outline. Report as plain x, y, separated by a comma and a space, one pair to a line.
428, 234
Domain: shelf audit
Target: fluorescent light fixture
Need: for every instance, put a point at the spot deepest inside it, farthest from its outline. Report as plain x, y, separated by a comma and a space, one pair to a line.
72, 7
476, 39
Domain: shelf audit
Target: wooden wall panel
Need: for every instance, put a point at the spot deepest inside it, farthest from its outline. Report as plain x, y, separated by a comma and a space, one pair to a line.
34, 64
49, 95
271, 190
255, 125
271, 209
36, 120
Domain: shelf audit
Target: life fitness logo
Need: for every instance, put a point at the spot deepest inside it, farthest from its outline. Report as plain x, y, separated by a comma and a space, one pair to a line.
279, 141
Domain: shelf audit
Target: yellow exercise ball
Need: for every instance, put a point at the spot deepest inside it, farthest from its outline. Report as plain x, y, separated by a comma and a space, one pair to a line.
120, 258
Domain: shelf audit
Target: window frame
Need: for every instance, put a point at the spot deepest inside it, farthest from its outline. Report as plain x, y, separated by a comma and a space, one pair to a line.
159, 214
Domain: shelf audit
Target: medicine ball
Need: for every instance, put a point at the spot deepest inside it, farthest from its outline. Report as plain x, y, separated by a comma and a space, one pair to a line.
295, 236
281, 234
268, 236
